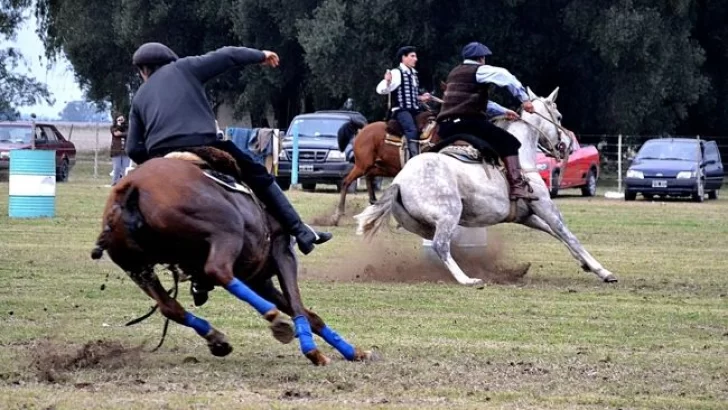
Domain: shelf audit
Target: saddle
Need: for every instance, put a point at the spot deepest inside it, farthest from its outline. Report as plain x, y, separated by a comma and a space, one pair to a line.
395, 134
468, 148
217, 165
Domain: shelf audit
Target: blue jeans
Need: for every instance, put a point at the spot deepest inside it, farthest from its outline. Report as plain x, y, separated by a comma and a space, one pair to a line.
407, 121
120, 163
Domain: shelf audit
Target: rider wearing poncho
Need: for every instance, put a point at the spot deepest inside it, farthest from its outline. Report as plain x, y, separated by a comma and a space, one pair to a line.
170, 112
466, 109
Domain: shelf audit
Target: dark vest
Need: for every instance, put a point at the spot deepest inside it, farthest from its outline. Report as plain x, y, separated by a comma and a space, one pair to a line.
405, 96
464, 96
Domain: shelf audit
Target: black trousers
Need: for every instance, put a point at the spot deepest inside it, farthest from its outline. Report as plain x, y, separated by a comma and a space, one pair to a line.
502, 141
253, 173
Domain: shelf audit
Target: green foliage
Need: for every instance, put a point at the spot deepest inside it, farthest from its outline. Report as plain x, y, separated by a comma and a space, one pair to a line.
631, 66
15, 89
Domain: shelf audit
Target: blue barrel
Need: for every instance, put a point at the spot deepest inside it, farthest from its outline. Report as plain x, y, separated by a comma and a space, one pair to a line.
32, 184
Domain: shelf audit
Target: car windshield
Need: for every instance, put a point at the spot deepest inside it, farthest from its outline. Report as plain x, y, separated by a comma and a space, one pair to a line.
316, 127
15, 134
670, 150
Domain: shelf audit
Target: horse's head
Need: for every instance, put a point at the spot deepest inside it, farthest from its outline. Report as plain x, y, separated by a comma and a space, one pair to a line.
547, 120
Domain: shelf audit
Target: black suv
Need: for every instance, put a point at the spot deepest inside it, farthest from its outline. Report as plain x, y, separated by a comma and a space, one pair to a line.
319, 158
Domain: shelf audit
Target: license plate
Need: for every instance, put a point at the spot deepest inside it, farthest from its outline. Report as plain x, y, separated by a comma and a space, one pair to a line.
659, 184
305, 168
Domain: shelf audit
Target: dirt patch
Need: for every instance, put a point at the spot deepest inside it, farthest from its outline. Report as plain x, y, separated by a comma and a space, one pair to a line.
328, 218
52, 362
387, 262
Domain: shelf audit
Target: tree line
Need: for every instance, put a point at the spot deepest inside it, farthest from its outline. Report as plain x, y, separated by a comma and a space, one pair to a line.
627, 66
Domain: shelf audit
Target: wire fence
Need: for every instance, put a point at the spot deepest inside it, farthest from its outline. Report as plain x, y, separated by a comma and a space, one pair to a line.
616, 152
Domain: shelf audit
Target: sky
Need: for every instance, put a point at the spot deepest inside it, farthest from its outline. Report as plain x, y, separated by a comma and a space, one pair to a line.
59, 77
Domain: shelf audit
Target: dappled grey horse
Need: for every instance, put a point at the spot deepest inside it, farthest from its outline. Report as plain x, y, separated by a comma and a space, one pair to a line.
434, 193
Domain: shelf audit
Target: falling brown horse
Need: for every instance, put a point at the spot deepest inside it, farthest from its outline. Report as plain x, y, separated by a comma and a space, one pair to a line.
174, 212
378, 151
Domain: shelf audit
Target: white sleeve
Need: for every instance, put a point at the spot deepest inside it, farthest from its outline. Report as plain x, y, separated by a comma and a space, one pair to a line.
502, 78
382, 87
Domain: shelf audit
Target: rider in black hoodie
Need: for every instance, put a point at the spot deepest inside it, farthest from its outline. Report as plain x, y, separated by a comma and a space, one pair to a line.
170, 111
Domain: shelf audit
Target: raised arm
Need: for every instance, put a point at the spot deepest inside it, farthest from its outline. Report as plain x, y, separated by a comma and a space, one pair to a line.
214, 63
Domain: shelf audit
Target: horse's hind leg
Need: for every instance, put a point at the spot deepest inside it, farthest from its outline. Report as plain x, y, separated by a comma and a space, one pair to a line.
548, 216
148, 281
444, 232
318, 326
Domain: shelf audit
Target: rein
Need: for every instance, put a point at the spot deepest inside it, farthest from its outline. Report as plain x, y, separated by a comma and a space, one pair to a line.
172, 292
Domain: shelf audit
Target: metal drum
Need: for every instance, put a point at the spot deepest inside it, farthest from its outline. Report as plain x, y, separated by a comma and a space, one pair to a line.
32, 184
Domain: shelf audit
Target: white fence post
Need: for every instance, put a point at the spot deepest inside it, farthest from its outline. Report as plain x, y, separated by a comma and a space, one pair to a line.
619, 163
96, 153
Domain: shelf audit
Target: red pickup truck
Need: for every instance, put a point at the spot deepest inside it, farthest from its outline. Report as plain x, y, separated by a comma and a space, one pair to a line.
581, 170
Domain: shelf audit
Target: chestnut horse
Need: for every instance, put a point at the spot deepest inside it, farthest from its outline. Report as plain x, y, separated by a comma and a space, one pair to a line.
376, 152
174, 212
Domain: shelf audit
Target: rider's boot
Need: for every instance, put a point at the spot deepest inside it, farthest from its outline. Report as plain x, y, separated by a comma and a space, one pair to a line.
519, 188
278, 206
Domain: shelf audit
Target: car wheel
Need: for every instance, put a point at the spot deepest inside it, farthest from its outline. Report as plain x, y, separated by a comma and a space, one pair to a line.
285, 184
590, 189
713, 195
555, 182
630, 196
308, 187
699, 194
63, 171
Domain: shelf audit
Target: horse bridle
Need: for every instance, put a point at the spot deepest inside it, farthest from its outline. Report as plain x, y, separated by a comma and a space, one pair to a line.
550, 148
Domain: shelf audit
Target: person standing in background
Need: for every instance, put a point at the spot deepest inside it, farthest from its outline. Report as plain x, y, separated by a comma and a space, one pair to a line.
119, 158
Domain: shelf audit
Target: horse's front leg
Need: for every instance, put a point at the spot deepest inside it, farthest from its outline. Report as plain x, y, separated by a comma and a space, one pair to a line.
284, 257
547, 218
269, 291
370, 189
353, 175
148, 281
224, 250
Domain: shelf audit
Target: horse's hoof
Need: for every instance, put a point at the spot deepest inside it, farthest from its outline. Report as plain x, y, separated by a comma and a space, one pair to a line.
365, 356
318, 358
282, 330
611, 279
218, 344
476, 283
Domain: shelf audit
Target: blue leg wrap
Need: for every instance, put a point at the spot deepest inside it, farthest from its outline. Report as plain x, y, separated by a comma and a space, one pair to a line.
244, 293
303, 333
338, 343
201, 326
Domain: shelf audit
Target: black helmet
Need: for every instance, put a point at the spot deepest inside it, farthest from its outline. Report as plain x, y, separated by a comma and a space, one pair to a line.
406, 50
153, 54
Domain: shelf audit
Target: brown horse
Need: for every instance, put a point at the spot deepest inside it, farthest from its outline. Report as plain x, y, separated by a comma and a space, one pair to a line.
377, 151
172, 212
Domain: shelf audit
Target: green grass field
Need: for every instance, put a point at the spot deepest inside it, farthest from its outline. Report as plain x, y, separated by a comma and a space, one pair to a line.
556, 339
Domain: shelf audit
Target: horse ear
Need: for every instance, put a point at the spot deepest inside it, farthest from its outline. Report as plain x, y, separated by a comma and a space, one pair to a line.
553, 95
531, 95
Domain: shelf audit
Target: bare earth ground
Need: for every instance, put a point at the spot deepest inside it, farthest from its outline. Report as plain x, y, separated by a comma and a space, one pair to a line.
554, 338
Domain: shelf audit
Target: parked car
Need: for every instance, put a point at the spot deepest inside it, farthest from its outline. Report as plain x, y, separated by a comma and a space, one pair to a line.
19, 135
581, 171
676, 167
319, 158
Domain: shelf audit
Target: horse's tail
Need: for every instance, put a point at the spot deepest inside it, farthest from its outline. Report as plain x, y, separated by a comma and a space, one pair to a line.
375, 216
122, 208
347, 132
